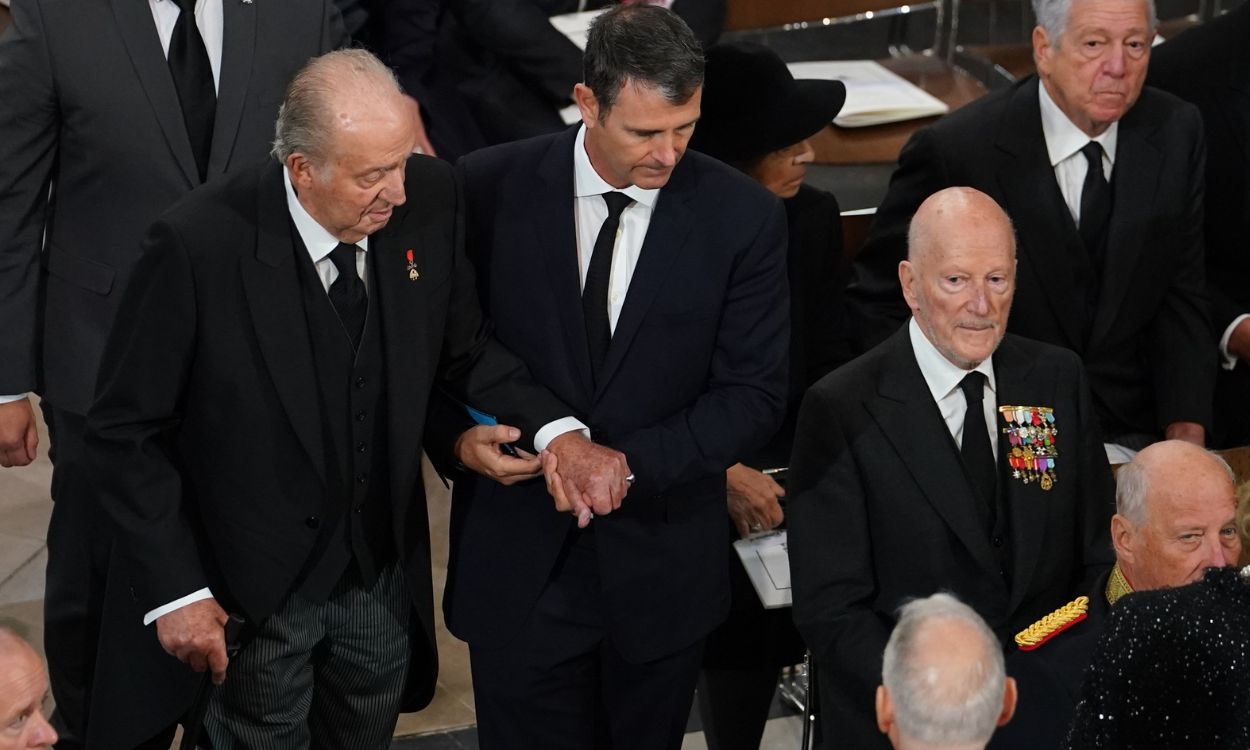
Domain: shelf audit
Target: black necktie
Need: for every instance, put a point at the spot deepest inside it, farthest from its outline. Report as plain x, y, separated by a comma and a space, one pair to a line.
347, 293
1095, 204
977, 454
193, 78
595, 292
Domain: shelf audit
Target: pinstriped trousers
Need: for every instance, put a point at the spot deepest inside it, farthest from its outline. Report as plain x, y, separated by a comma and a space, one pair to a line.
319, 674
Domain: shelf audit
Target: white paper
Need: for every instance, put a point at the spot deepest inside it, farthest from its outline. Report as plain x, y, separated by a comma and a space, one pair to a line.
575, 26
767, 563
874, 95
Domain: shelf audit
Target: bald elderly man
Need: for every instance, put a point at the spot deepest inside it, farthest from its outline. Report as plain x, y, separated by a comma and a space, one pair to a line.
944, 686
1175, 518
23, 691
896, 493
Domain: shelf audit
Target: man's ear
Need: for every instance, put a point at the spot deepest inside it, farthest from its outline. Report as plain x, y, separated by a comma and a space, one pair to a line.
907, 281
885, 710
1042, 50
300, 169
1010, 695
587, 104
1123, 538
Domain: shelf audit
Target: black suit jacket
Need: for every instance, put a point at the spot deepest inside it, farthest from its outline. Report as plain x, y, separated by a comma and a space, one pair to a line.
206, 432
90, 107
491, 71
694, 378
1148, 351
880, 511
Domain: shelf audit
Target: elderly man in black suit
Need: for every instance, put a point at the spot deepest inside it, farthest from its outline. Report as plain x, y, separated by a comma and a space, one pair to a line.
257, 429
1103, 180
950, 457
120, 108
645, 284
1209, 66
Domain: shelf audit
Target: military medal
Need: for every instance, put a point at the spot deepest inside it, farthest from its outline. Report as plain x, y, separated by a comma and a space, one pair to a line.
413, 274
1031, 432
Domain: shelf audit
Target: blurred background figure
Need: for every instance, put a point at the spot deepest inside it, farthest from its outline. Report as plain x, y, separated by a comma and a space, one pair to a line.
23, 691
943, 683
757, 118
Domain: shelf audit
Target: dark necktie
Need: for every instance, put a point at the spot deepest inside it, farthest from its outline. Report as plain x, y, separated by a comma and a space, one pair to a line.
193, 78
1095, 204
347, 293
977, 454
595, 292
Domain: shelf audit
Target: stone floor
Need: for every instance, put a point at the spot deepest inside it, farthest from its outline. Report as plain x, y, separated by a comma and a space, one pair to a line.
447, 724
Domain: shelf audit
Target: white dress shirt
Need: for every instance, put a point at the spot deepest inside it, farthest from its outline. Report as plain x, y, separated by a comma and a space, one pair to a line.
208, 17
1064, 142
943, 378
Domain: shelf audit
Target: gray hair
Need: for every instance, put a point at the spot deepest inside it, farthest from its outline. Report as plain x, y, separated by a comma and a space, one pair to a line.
305, 122
641, 44
1132, 487
1052, 15
939, 706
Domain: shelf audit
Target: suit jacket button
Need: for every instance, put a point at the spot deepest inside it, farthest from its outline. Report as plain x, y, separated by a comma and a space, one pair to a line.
359, 508
361, 447
312, 522
360, 415
360, 382
998, 541
362, 478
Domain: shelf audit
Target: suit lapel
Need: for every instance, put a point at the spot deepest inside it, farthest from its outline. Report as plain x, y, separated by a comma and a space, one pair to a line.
1135, 181
237, 49
1039, 212
1027, 511
271, 285
406, 332
138, 30
554, 222
664, 243
908, 417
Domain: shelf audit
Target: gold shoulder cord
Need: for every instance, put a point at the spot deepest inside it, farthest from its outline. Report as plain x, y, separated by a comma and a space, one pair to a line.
1053, 624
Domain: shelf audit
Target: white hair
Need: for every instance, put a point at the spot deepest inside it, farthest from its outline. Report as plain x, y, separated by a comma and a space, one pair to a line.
1132, 487
1052, 15
943, 704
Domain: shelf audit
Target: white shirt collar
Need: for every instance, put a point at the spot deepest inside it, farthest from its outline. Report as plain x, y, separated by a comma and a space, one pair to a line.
587, 182
1063, 138
940, 374
316, 238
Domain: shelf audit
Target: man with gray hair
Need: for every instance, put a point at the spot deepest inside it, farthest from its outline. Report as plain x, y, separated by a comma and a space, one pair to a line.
258, 426
23, 693
1103, 179
943, 684
1175, 508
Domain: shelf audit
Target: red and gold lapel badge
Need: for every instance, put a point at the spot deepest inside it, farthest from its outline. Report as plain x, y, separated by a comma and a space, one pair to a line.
413, 273
1032, 434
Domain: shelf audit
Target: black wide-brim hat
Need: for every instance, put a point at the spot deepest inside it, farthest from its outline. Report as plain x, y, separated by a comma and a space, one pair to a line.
753, 106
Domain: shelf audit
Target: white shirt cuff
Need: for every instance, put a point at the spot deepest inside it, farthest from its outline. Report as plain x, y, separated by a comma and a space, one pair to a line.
11, 399
1228, 361
553, 430
150, 617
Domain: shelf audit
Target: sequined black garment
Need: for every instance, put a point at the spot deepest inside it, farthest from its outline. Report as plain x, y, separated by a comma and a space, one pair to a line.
1172, 670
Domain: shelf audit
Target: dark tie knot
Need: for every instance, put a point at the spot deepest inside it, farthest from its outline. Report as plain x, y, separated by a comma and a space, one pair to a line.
344, 258
973, 386
617, 202
1093, 154
187, 6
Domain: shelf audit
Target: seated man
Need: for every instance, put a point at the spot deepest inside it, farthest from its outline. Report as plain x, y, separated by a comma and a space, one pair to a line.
943, 681
23, 690
895, 493
1111, 258
1175, 508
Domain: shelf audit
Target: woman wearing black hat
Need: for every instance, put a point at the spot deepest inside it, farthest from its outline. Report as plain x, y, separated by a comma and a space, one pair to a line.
757, 118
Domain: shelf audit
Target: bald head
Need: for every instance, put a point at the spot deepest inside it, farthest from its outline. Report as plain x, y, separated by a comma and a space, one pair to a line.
1175, 515
943, 679
23, 689
960, 272
339, 91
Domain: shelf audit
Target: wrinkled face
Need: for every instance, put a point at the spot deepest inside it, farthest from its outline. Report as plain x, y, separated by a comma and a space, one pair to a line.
782, 171
23, 689
1095, 71
1189, 527
960, 285
641, 138
353, 193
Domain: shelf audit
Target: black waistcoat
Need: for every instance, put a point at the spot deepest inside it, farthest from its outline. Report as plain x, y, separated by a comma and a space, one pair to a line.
355, 523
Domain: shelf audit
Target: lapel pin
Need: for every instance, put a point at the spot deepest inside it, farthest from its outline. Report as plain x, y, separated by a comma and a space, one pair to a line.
413, 274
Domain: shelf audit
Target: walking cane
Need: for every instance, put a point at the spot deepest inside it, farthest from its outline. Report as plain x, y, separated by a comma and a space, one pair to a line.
195, 719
